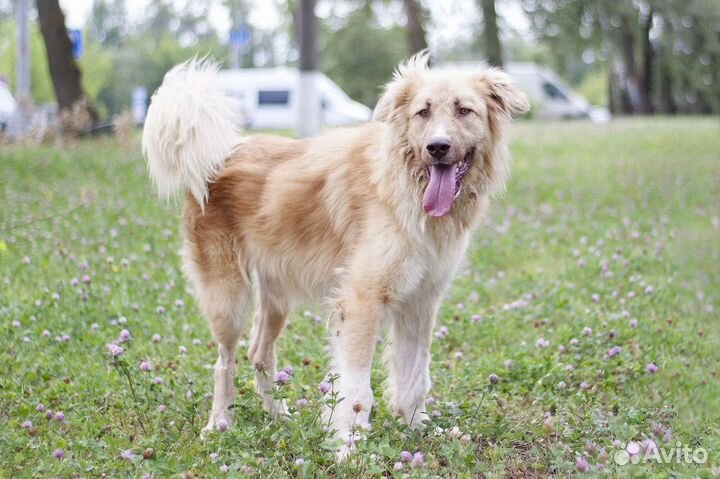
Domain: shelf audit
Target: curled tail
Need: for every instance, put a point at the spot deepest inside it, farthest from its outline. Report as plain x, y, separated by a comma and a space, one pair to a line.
190, 130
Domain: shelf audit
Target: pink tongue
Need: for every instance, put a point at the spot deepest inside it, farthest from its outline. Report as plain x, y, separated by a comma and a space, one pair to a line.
440, 192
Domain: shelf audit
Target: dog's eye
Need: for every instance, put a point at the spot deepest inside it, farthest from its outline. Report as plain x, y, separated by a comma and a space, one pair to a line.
462, 111
424, 113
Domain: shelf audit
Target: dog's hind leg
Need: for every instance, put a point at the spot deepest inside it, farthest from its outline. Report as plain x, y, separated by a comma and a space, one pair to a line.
273, 308
224, 294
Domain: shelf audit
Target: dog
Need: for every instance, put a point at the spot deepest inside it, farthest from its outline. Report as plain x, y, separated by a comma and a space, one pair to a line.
371, 221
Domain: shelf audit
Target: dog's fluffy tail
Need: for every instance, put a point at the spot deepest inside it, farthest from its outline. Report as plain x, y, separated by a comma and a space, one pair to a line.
190, 130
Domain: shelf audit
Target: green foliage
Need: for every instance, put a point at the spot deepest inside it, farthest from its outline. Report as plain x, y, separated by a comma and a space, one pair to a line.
41, 84
591, 210
360, 55
594, 87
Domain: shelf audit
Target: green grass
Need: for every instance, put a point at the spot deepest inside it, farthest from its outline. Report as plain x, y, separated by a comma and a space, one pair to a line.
635, 201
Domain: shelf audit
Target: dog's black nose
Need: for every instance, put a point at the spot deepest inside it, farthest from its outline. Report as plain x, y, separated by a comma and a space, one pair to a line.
438, 147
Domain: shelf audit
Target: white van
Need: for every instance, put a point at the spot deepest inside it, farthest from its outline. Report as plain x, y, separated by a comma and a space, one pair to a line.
8, 106
550, 96
269, 98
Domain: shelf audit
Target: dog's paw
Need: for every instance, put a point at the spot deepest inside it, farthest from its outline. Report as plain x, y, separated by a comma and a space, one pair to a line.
276, 408
418, 421
220, 423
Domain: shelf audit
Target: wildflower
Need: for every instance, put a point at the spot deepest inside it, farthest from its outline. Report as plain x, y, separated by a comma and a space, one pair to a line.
299, 461
281, 378
406, 456
58, 454
159, 310
27, 424
633, 323
40, 407
466, 439
398, 466
289, 370
85, 278
418, 460
162, 408
124, 336
127, 454
584, 386
442, 332
16, 324
144, 366
225, 468
48, 414
115, 350
493, 378
182, 349
542, 343
213, 456
302, 402
582, 465
324, 387
587, 331
475, 318
59, 416
158, 380
196, 342
509, 364
95, 326
649, 290
458, 355
156, 338
561, 385
614, 351
651, 368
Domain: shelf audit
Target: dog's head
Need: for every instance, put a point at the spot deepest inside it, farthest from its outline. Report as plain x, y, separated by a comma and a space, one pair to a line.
450, 125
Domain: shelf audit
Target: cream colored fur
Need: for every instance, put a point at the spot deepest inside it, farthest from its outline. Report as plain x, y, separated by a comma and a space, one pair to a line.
336, 219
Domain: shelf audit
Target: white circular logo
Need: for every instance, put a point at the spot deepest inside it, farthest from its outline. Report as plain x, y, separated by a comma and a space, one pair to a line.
621, 458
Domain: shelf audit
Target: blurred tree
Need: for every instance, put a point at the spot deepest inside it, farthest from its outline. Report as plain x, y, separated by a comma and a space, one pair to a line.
416, 17
63, 70
660, 55
108, 22
491, 34
361, 73
41, 86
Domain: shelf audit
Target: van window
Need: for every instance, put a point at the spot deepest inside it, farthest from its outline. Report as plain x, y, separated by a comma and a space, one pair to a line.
273, 97
551, 91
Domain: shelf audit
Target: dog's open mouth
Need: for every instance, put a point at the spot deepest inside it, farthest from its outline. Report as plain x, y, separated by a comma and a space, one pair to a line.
444, 185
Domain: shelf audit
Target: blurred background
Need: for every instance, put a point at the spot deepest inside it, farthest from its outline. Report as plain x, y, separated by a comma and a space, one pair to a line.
102, 59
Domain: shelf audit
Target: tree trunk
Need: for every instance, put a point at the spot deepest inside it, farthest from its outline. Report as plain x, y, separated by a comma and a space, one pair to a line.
647, 73
630, 83
491, 34
416, 37
63, 69
309, 114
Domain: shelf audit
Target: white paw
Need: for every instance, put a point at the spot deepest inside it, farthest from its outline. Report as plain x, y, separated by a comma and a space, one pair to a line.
276, 408
216, 422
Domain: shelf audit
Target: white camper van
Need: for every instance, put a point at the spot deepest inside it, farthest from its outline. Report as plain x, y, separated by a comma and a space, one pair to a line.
550, 96
8, 106
268, 98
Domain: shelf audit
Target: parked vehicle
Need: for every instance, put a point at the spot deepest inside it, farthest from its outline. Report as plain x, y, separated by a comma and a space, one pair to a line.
268, 98
8, 106
550, 96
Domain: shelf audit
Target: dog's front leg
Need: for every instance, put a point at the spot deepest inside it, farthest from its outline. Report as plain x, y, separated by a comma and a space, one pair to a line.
407, 358
353, 333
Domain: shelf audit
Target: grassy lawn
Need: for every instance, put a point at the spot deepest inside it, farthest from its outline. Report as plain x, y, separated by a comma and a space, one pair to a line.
592, 292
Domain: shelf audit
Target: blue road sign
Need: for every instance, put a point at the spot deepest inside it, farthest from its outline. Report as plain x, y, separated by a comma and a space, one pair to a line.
239, 36
76, 38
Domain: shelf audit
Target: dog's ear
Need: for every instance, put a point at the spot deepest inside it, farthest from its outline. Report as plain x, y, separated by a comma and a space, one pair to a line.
503, 97
399, 91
